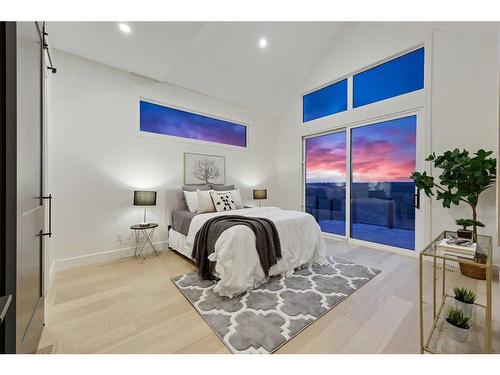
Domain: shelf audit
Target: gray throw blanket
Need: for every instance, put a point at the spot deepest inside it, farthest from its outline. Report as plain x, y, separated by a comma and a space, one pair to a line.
267, 241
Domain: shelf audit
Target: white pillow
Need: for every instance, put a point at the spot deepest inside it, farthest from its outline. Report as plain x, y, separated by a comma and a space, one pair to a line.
223, 201
191, 200
238, 202
205, 203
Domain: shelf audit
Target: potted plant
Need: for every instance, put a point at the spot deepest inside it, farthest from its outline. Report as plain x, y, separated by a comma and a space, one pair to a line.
464, 300
464, 232
458, 325
463, 178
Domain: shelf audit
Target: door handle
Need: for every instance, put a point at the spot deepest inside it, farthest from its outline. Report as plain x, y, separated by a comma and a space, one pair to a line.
416, 199
49, 233
4, 306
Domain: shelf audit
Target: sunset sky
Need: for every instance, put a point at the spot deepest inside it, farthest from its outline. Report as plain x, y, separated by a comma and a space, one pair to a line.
383, 152
169, 121
325, 158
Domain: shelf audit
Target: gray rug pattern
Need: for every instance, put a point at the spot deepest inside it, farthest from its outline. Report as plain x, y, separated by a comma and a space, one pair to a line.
263, 319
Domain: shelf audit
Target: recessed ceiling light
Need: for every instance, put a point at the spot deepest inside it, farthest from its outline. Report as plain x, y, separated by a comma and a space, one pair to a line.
125, 28
262, 43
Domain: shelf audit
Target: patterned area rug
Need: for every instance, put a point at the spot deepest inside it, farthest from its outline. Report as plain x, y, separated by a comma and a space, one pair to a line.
263, 319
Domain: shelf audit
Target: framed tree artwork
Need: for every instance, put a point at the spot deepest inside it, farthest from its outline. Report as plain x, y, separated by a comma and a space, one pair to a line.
204, 169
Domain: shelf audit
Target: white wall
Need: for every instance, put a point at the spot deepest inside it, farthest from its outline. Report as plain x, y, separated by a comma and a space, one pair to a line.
465, 114
97, 157
464, 110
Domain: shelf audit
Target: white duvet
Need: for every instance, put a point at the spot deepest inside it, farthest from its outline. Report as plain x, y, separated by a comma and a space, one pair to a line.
238, 265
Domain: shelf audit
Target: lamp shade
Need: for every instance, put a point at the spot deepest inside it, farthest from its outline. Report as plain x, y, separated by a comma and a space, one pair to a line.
260, 194
144, 198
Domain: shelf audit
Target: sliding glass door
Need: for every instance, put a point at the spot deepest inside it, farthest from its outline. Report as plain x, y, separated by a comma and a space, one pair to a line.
325, 181
382, 160
379, 159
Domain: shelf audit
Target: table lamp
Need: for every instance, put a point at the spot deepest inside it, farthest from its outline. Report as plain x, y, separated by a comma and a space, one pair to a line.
260, 194
145, 199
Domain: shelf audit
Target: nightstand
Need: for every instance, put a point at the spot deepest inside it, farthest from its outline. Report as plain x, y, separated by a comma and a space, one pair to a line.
147, 232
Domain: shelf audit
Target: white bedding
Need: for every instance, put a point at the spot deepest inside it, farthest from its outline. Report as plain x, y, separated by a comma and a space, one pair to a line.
238, 265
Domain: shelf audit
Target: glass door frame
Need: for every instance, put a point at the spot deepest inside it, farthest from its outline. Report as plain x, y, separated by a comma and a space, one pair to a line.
422, 215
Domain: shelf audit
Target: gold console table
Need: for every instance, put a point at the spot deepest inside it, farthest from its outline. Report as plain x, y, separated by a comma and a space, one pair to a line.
437, 341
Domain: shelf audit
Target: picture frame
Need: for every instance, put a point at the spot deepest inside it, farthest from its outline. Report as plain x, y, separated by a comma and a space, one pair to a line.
201, 169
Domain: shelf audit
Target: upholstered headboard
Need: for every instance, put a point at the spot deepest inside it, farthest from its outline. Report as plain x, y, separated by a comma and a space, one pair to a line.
174, 200
174, 197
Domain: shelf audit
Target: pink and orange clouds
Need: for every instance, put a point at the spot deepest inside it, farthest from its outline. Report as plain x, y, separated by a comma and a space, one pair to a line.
325, 158
383, 152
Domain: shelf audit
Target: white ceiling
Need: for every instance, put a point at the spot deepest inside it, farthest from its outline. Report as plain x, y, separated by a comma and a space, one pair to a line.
220, 59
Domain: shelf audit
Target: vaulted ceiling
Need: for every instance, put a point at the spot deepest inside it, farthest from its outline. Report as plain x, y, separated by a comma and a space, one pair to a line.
221, 59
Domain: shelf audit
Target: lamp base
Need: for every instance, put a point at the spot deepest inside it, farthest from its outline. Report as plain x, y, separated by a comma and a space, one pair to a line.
144, 223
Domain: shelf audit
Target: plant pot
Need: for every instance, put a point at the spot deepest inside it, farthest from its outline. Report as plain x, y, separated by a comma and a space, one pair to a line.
465, 234
467, 308
457, 334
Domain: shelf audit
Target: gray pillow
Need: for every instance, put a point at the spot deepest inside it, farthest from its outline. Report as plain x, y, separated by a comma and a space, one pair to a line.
195, 187
222, 187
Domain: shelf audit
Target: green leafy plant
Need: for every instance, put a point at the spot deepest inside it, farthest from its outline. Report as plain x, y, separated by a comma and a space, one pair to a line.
464, 177
468, 223
457, 318
465, 295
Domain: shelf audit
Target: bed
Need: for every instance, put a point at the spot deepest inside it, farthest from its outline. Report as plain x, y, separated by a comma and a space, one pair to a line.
237, 264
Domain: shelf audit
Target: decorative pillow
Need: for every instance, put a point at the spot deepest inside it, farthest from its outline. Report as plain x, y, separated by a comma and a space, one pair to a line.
193, 188
191, 200
205, 203
238, 202
222, 201
222, 187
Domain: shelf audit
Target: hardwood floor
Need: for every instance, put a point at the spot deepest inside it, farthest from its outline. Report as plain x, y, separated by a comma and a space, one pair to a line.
130, 307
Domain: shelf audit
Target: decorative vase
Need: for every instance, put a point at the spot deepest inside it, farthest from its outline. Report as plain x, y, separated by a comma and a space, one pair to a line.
457, 334
467, 308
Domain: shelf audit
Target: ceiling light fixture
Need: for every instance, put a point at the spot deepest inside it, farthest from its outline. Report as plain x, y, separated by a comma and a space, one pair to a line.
262, 43
125, 28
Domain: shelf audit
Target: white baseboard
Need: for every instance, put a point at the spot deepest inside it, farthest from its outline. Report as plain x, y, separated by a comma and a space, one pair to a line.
105, 256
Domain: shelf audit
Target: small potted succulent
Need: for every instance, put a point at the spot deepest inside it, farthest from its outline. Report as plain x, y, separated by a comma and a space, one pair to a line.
457, 325
464, 232
464, 300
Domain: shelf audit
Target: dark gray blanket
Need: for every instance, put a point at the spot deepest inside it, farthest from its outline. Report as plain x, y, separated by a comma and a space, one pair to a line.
267, 241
